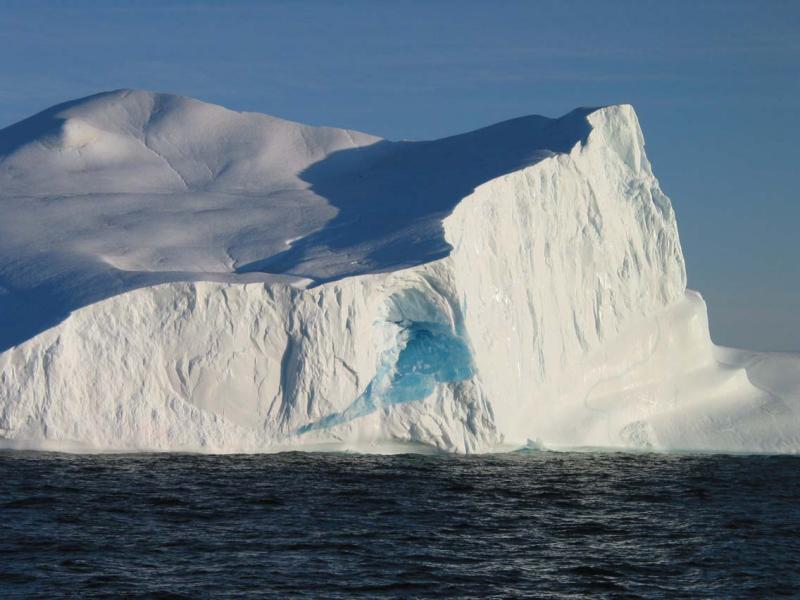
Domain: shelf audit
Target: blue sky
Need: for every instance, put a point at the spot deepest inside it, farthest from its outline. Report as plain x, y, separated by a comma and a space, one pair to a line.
716, 86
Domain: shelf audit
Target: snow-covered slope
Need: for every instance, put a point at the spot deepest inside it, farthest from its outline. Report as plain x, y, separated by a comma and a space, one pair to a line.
174, 275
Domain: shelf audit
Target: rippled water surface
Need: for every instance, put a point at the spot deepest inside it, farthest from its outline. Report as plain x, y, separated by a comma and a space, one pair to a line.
549, 525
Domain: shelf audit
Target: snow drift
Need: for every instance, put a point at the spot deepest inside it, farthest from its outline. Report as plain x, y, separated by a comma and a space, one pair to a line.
178, 276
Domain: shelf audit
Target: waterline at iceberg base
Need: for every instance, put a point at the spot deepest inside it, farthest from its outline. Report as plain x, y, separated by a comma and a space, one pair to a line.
178, 276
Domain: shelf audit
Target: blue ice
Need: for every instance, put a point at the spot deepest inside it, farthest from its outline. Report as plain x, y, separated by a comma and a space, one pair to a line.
430, 353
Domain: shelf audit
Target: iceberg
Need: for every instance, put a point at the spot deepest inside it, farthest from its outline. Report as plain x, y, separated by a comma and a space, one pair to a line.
176, 276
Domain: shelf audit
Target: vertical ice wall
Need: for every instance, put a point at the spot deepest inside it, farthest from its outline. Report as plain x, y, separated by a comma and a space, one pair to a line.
554, 260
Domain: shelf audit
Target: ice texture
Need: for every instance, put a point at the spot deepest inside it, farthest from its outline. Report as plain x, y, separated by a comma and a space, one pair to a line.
427, 354
178, 276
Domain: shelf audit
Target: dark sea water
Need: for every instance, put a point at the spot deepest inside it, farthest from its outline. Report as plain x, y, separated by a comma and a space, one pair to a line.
538, 525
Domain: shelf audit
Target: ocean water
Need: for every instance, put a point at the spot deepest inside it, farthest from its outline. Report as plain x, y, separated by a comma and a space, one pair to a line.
535, 525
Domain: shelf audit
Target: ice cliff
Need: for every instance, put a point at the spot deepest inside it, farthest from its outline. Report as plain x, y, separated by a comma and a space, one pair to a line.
178, 276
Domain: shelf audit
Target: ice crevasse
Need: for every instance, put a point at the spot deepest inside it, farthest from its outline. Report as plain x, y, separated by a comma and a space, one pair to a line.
263, 286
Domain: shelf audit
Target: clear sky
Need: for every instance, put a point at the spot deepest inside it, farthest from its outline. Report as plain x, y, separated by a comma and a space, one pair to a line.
716, 86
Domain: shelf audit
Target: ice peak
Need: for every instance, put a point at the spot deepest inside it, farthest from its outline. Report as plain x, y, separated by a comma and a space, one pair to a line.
617, 127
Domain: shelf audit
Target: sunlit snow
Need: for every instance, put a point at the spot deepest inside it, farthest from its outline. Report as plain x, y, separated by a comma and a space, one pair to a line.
178, 276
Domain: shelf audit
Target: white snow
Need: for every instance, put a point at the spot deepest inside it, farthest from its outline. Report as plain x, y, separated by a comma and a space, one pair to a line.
178, 276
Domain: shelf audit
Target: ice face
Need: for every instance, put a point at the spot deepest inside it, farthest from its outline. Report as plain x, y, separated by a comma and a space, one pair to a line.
427, 353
